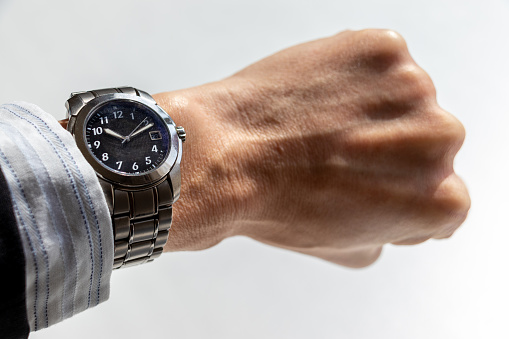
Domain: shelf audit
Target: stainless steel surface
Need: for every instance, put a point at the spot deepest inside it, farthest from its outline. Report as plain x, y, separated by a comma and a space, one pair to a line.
140, 205
78, 113
181, 133
140, 232
175, 175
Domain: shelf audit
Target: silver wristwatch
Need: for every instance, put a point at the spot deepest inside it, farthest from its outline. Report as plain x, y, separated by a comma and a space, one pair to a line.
135, 148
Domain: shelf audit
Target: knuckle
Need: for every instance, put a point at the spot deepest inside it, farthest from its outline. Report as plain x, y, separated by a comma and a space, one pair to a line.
380, 49
386, 41
435, 134
453, 128
447, 134
451, 202
392, 38
402, 91
412, 83
384, 38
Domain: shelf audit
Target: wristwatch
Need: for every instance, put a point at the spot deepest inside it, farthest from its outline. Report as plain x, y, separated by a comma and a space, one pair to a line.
135, 148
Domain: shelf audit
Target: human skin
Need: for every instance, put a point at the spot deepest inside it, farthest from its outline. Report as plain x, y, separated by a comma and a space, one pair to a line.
331, 148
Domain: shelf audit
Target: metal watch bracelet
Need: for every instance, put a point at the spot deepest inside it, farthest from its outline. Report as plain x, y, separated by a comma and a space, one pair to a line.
141, 222
141, 217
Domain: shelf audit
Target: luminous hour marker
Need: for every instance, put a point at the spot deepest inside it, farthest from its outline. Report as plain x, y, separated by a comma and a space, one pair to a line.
131, 156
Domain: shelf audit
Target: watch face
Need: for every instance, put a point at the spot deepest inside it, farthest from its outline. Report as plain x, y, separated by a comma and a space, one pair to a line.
127, 137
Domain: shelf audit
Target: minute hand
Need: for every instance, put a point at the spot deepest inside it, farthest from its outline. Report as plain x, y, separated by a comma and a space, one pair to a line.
128, 138
142, 129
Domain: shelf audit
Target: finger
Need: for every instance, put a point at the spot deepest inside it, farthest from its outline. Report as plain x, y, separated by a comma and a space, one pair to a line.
453, 203
411, 241
353, 258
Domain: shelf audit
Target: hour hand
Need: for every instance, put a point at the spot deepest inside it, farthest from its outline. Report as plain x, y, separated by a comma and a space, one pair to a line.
114, 134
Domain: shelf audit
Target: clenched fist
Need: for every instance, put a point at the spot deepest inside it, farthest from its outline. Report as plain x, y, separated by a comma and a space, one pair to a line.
332, 148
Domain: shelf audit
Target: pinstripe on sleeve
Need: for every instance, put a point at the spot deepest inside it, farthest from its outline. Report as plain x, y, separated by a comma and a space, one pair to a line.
61, 213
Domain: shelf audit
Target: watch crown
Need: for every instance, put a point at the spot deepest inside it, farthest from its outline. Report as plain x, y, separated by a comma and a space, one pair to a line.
181, 133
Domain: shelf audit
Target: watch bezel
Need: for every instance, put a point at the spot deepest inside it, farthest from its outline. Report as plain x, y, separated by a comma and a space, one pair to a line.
127, 180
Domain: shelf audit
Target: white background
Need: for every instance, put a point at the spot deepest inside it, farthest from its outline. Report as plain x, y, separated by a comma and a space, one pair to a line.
457, 288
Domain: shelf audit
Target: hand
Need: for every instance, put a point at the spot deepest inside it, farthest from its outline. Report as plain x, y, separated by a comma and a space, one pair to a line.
143, 129
114, 134
128, 138
332, 148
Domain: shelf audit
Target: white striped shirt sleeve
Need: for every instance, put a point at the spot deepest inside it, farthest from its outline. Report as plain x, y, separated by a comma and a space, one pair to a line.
61, 213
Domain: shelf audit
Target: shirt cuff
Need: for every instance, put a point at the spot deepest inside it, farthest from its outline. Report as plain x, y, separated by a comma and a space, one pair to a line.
61, 213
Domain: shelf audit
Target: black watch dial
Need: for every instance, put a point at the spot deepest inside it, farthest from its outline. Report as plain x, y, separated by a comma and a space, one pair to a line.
127, 137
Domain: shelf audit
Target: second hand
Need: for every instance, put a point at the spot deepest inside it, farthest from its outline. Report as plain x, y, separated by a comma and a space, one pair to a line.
127, 138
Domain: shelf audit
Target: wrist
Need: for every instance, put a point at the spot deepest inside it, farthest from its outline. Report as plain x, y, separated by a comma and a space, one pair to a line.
214, 194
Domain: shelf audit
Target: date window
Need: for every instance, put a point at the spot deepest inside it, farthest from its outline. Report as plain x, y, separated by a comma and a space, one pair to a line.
155, 135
